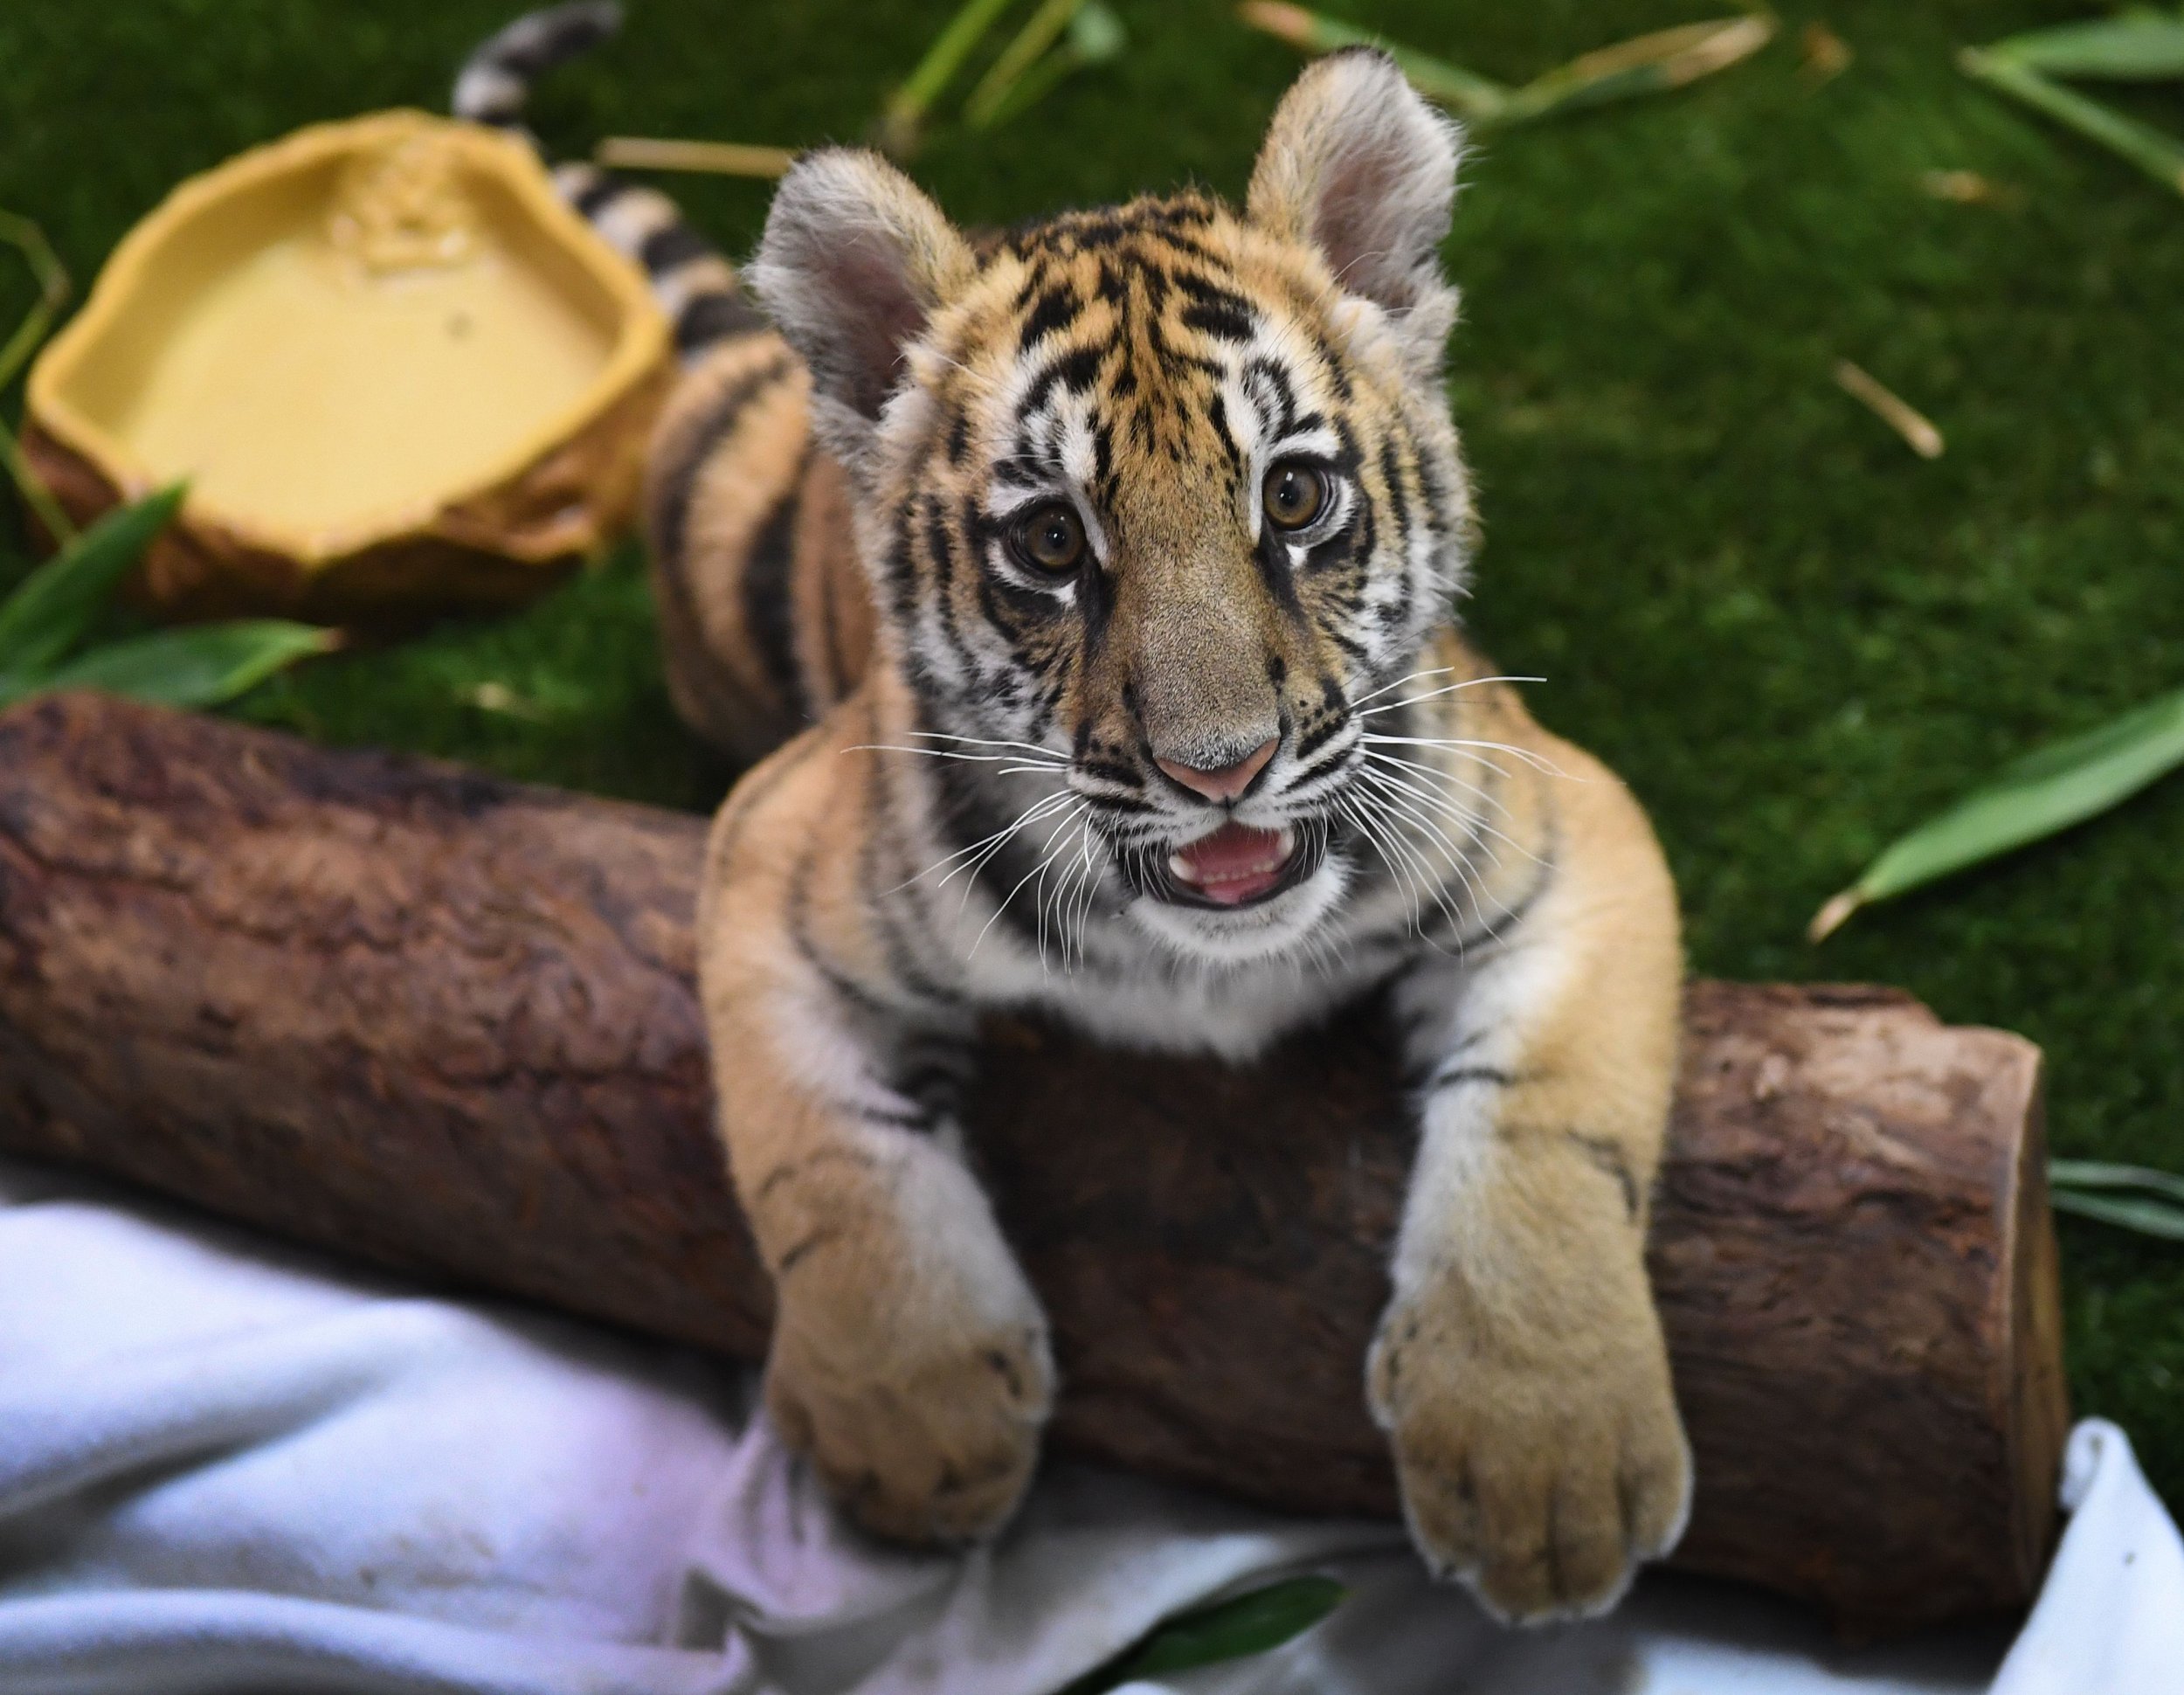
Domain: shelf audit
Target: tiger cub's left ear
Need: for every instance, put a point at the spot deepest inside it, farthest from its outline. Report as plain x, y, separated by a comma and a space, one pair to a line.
1357, 165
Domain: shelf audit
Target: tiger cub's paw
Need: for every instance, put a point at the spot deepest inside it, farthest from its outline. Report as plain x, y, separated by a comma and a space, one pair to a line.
922, 1439
1539, 1475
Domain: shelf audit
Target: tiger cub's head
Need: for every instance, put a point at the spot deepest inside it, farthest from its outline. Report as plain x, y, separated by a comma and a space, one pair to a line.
1165, 490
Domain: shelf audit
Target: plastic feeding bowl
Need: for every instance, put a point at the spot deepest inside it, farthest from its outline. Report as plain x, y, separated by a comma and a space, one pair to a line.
399, 374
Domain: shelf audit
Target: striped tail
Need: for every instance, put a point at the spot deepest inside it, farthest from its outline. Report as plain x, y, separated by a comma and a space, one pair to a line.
693, 284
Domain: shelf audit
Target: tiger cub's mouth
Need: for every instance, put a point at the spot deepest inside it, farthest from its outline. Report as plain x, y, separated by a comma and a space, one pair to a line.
1236, 865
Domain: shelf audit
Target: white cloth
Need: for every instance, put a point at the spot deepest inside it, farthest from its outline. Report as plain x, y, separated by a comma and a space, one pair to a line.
227, 1466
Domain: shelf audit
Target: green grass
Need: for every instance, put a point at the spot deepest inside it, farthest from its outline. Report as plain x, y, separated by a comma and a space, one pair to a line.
1794, 637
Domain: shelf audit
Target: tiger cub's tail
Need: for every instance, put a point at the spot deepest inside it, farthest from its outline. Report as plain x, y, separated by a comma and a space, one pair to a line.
764, 619
696, 287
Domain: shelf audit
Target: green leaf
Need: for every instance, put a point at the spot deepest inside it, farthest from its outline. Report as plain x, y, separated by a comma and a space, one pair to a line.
1246, 1624
197, 664
2100, 1174
1095, 36
2045, 792
2148, 1218
44, 619
904, 115
2159, 156
1045, 28
2137, 46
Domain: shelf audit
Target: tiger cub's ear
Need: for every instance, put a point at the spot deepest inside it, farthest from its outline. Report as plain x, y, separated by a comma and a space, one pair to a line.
1357, 165
853, 263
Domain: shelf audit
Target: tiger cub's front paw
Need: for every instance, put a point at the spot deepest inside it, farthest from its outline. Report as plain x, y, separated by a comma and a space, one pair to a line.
923, 1429
1539, 1470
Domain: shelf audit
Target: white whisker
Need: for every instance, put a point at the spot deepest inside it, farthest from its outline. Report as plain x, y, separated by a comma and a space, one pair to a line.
1538, 761
1434, 695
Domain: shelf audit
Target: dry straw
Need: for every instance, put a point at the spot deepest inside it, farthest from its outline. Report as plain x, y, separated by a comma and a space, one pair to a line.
1917, 429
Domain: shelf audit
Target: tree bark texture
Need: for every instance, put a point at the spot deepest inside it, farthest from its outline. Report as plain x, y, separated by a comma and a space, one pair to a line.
446, 1023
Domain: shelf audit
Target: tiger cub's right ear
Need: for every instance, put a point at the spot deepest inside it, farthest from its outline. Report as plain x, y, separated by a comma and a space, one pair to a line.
854, 262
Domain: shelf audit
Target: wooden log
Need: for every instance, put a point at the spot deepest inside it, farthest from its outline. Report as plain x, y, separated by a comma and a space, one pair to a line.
446, 1023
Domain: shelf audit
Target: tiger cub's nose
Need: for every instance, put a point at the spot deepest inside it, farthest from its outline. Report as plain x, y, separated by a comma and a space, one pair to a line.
1219, 783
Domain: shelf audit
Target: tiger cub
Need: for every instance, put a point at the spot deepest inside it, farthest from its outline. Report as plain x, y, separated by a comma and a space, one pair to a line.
1100, 579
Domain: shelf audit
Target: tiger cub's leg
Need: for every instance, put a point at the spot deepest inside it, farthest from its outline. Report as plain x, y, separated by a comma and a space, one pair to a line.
909, 1356
1520, 1369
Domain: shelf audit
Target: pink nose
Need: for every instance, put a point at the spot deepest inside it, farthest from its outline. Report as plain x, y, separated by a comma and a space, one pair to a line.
1221, 782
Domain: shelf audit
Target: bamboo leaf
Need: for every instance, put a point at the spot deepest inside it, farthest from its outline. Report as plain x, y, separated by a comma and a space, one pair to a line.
1653, 63
2137, 46
44, 619
2045, 792
1647, 64
2159, 156
721, 158
2148, 1218
2100, 1174
1463, 92
904, 115
197, 666
1248, 1624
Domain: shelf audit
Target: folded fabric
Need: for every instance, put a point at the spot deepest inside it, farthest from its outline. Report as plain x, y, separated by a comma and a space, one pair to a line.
227, 1465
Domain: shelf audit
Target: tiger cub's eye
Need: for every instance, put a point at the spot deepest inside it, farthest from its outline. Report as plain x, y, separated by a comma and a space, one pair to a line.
1050, 538
1294, 495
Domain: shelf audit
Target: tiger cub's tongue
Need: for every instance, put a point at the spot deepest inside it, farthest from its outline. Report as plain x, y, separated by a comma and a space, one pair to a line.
1234, 864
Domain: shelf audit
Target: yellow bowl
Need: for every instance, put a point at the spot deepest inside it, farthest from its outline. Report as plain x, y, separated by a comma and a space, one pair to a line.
399, 374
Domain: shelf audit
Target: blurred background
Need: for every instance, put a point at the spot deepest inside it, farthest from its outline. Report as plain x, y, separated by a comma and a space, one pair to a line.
1795, 637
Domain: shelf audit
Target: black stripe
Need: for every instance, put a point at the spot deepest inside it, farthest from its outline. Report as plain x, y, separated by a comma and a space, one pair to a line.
1055, 308
719, 315
671, 503
1312, 741
1074, 370
672, 245
596, 198
547, 38
1608, 1157
769, 607
1494, 928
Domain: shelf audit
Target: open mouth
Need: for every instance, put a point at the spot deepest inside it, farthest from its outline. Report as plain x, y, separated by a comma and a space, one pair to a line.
1235, 865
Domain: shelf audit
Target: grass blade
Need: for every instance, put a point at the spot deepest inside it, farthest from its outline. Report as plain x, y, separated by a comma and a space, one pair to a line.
1653, 63
1464, 93
20, 234
197, 666
2100, 1174
1095, 36
2047, 790
905, 109
44, 619
2159, 156
1039, 32
2137, 46
1246, 1624
2148, 1218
